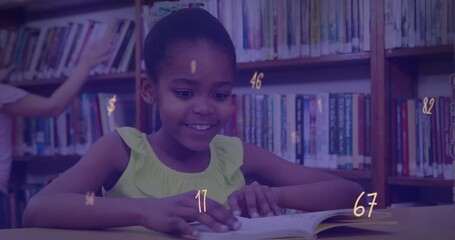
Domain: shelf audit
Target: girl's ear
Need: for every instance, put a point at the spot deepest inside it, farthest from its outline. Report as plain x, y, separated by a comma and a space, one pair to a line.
148, 89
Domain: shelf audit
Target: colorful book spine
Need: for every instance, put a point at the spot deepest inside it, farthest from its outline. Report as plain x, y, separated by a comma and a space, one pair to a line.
399, 156
270, 122
452, 126
299, 128
405, 138
315, 27
348, 129
322, 118
306, 132
448, 174
355, 131
411, 117
439, 136
333, 129
277, 128
313, 130
341, 161
284, 128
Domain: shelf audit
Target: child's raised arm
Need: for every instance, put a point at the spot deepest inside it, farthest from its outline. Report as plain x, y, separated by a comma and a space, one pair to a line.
32, 105
62, 204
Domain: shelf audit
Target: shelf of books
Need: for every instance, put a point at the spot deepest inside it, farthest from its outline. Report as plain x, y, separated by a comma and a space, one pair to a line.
56, 5
422, 138
419, 34
74, 131
349, 174
28, 158
421, 182
327, 130
303, 63
105, 78
442, 51
44, 55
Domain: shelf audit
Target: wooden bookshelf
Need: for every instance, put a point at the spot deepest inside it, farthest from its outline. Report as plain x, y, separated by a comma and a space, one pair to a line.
362, 58
434, 52
421, 182
36, 9
106, 78
58, 158
349, 174
17, 13
399, 75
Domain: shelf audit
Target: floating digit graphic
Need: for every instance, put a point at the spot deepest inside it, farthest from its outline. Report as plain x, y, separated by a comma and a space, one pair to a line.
193, 66
198, 196
90, 199
295, 137
362, 208
427, 109
111, 105
256, 80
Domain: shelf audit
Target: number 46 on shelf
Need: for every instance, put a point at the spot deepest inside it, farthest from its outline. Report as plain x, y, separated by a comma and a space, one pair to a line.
256, 80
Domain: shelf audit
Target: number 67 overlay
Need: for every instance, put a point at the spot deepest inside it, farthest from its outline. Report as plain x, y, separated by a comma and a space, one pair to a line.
362, 208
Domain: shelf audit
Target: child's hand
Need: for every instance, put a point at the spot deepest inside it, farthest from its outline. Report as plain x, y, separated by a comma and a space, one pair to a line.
253, 200
172, 214
95, 53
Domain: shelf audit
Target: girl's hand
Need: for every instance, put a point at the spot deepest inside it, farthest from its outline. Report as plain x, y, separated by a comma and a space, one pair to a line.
172, 214
254, 200
95, 53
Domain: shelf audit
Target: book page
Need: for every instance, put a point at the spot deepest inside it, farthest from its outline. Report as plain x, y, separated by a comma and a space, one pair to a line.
295, 225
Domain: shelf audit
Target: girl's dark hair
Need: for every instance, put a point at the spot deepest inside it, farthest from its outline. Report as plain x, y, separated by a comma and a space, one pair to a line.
184, 25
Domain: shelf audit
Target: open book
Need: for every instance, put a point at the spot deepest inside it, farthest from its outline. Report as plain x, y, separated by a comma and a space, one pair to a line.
303, 225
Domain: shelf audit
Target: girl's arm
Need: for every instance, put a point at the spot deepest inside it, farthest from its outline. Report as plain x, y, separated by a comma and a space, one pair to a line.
62, 204
33, 105
298, 187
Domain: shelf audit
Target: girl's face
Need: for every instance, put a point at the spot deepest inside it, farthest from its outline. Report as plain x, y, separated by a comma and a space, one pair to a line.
194, 94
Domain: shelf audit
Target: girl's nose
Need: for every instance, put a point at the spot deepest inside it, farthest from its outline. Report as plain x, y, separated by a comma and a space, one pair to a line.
203, 107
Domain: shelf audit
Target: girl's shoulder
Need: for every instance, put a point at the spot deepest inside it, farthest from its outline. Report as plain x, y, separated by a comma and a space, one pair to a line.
113, 153
228, 148
134, 139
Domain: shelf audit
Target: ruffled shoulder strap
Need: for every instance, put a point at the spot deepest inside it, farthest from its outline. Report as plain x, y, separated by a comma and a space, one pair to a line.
230, 153
135, 139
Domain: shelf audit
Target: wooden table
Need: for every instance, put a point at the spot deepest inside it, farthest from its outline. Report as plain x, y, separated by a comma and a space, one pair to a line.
435, 222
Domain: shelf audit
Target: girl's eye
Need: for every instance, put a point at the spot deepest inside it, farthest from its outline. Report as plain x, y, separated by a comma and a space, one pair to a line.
221, 96
184, 93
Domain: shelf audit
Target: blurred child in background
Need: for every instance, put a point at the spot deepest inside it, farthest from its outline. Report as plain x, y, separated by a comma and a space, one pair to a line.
17, 102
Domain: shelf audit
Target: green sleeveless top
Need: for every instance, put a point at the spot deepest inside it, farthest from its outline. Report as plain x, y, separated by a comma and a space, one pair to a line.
147, 176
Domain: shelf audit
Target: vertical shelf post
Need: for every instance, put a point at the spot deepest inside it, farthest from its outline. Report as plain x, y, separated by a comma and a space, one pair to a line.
379, 138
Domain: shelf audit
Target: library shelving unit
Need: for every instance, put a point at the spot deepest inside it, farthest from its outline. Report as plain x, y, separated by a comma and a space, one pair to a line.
399, 76
384, 69
402, 66
397, 73
15, 14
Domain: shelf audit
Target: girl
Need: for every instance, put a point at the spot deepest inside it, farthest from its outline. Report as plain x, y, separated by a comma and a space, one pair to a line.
151, 180
16, 102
